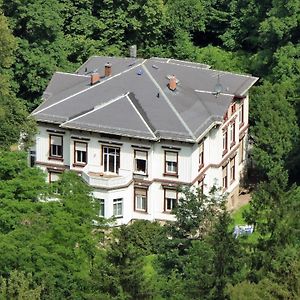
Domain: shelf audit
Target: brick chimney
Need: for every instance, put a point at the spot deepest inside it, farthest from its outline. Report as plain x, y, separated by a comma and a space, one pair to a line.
107, 70
95, 78
172, 83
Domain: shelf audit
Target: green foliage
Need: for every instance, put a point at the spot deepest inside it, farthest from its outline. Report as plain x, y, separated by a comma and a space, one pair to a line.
19, 286
276, 131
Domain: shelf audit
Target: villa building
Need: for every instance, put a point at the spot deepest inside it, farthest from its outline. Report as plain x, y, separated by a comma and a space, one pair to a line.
135, 129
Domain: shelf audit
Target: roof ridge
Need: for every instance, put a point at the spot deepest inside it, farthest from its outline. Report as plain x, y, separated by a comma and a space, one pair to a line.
169, 103
89, 88
140, 115
97, 107
72, 74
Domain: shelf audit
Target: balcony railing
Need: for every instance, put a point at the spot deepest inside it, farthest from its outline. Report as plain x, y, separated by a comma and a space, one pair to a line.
94, 177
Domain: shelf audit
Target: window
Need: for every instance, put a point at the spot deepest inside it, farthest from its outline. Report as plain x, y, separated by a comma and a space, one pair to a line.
32, 158
225, 117
111, 159
201, 185
80, 153
102, 208
241, 115
118, 207
225, 141
140, 201
170, 199
233, 108
232, 134
201, 155
56, 146
232, 169
140, 161
241, 151
54, 176
224, 177
171, 163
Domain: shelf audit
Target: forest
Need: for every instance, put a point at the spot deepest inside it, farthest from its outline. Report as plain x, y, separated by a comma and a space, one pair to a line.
61, 249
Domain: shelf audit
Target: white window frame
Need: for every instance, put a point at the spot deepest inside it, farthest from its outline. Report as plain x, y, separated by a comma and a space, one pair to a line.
101, 208
225, 141
232, 169
79, 149
140, 199
170, 197
113, 157
224, 177
140, 155
241, 114
55, 146
118, 207
232, 133
171, 162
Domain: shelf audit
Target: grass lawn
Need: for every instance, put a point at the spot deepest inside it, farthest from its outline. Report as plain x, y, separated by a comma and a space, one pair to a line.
238, 219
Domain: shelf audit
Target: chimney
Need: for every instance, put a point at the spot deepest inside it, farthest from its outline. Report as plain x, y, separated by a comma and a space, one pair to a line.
95, 78
132, 51
107, 70
172, 83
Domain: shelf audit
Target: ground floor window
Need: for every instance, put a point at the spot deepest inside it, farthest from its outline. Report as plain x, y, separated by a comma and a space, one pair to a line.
102, 208
118, 207
140, 199
170, 200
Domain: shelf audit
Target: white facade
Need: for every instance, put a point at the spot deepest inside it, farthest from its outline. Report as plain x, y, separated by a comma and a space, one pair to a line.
137, 179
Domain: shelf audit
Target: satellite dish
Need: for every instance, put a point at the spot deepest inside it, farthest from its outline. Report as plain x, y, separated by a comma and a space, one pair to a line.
218, 87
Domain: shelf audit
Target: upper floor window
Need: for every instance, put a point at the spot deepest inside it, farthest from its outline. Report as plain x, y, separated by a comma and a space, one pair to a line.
241, 150
170, 200
80, 153
241, 115
118, 207
233, 108
140, 199
56, 146
171, 163
232, 134
232, 169
111, 159
224, 177
201, 155
225, 141
140, 161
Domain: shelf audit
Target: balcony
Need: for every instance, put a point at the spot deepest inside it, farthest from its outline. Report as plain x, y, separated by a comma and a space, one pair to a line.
106, 180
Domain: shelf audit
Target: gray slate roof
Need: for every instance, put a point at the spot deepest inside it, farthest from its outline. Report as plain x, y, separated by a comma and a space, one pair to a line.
135, 100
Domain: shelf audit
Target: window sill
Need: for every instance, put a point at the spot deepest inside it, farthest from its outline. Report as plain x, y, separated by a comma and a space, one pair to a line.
169, 212
141, 211
140, 173
241, 125
56, 158
81, 165
117, 217
171, 174
232, 144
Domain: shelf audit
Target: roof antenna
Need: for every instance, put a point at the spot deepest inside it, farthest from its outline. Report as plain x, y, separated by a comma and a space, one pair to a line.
218, 88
